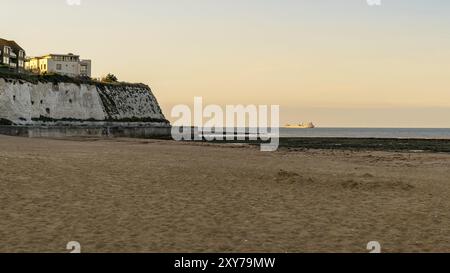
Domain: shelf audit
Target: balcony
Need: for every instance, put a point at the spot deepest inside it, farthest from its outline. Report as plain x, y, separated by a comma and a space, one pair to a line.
13, 55
13, 65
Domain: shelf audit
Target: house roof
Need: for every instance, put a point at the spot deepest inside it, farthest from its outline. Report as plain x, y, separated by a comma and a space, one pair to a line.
64, 55
55, 55
11, 44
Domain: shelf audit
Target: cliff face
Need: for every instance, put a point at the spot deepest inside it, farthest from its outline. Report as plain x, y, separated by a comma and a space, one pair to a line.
25, 102
129, 102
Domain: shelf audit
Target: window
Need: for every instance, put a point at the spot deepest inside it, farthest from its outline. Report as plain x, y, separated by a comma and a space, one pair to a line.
58, 67
20, 63
5, 60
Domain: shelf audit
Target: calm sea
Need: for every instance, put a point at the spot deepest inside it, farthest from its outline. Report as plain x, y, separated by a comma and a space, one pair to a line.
368, 133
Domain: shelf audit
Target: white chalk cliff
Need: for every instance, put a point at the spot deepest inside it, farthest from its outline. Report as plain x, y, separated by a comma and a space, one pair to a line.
23, 102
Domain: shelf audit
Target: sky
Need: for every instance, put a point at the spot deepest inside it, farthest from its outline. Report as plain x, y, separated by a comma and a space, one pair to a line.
338, 63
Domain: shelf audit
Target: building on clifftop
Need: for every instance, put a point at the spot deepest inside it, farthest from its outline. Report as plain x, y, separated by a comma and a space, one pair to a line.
12, 56
63, 64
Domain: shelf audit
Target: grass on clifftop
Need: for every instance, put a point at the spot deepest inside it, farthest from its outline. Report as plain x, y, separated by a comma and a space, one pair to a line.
56, 78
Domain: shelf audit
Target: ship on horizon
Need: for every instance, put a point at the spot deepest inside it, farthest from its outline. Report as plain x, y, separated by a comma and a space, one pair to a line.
308, 125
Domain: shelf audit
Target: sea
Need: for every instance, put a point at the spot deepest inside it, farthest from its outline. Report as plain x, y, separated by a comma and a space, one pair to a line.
400, 133
395, 133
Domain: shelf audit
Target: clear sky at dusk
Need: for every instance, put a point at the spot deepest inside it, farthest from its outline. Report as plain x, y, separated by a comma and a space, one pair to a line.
334, 62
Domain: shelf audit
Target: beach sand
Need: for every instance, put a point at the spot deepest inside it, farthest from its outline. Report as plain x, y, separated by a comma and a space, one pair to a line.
131, 195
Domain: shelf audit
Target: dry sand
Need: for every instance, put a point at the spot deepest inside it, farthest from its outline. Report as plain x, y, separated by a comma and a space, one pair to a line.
124, 195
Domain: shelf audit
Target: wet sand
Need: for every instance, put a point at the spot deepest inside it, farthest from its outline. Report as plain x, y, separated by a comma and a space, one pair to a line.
129, 195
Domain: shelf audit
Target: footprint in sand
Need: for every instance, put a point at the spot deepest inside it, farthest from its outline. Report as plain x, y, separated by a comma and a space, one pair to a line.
291, 177
283, 174
376, 185
368, 175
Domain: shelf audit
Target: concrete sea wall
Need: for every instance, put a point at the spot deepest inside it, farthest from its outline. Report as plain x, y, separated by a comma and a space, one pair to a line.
85, 131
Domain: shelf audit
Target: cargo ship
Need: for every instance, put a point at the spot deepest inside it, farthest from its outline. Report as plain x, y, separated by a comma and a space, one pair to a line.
308, 125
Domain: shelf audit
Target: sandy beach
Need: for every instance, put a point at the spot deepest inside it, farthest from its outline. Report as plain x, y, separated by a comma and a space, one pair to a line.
131, 195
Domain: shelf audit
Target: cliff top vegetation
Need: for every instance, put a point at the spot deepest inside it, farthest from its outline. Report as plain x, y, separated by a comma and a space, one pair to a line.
56, 78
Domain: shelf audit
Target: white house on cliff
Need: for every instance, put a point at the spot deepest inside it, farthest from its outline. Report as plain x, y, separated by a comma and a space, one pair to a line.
64, 64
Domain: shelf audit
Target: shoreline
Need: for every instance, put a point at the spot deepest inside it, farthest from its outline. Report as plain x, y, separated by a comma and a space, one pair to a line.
355, 144
156, 131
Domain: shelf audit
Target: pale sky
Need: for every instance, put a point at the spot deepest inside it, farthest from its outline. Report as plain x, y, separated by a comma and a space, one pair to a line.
338, 63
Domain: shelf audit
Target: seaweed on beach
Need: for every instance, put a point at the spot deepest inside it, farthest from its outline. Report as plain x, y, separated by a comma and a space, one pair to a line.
357, 144
373, 144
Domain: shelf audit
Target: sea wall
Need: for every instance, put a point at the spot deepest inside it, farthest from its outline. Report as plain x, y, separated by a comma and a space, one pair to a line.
149, 131
36, 103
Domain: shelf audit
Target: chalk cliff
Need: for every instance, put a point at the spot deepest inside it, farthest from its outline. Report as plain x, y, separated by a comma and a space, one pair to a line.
25, 102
